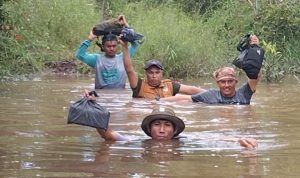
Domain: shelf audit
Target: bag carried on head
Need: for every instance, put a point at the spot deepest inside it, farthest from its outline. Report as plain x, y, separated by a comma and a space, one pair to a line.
109, 26
113, 26
88, 113
250, 58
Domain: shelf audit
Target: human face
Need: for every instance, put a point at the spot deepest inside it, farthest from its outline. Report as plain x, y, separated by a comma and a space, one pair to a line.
162, 130
154, 76
227, 87
110, 48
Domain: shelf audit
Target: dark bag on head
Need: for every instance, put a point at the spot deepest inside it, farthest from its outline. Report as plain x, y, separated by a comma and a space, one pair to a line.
114, 27
107, 27
88, 113
250, 59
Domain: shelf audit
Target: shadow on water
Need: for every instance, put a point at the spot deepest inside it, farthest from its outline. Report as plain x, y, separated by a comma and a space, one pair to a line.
37, 142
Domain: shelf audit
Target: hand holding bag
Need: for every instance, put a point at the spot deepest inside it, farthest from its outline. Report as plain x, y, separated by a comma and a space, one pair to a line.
88, 113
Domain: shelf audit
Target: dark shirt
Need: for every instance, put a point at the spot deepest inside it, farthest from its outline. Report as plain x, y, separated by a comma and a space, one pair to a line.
214, 96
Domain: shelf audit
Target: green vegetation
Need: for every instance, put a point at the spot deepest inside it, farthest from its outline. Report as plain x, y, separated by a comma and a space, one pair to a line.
36, 31
191, 37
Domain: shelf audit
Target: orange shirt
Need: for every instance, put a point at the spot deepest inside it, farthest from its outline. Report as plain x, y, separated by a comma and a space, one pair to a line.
165, 89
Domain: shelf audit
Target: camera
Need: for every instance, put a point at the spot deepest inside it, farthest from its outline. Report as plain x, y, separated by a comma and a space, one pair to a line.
128, 34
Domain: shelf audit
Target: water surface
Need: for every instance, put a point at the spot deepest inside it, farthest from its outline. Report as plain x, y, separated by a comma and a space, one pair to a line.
35, 140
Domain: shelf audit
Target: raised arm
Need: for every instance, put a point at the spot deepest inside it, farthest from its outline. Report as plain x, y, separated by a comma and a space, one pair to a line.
82, 54
256, 56
253, 82
133, 48
131, 73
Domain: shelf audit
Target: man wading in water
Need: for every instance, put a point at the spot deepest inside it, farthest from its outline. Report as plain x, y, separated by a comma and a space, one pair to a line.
161, 125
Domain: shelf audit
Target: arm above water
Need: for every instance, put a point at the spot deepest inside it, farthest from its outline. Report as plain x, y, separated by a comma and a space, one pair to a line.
107, 134
186, 91
248, 143
190, 90
178, 98
256, 56
133, 49
111, 135
131, 73
253, 82
82, 54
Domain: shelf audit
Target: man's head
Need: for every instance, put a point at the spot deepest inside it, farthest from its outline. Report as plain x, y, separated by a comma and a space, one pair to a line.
110, 44
226, 80
162, 124
154, 72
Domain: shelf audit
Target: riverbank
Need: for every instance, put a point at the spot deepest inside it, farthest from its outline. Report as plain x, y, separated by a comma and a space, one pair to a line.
192, 44
67, 66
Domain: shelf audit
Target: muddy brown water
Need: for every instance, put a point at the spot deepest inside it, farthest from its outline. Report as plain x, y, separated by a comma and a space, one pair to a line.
35, 140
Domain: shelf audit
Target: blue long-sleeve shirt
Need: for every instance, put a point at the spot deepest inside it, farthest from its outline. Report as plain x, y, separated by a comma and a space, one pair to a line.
110, 72
91, 58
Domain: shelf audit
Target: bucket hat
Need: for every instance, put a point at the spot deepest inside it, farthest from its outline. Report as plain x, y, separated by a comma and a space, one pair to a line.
163, 113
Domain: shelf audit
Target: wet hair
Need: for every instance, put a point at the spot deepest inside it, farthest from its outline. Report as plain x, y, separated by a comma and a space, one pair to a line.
109, 37
105, 38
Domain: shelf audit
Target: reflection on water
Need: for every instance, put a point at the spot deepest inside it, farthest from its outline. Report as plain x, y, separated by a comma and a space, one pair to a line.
37, 142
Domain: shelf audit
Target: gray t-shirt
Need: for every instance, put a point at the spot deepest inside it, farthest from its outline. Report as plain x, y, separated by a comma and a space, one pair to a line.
214, 96
110, 72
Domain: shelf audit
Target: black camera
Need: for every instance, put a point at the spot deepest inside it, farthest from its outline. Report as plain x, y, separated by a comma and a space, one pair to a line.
128, 34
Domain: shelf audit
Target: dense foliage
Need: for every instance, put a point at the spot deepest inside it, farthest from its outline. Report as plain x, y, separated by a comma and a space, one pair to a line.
191, 37
35, 32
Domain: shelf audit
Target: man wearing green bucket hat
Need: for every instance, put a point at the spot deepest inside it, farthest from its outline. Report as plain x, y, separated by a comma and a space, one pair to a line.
161, 125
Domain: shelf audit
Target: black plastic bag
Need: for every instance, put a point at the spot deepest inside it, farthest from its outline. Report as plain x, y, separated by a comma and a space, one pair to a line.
244, 42
89, 113
107, 27
250, 60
